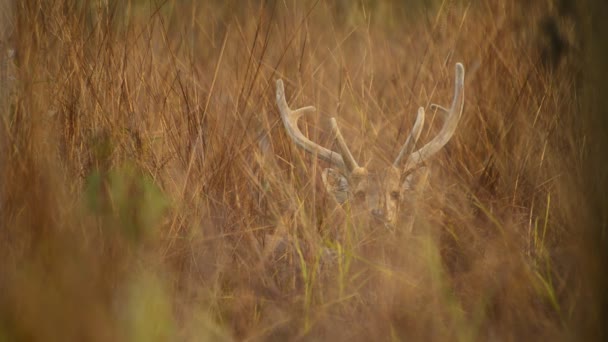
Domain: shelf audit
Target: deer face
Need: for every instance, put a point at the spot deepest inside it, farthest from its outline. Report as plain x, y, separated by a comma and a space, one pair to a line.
380, 195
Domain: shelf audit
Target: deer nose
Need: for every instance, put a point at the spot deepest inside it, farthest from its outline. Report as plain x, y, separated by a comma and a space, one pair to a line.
378, 213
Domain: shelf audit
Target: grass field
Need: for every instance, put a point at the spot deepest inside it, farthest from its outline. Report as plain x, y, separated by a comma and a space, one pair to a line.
150, 193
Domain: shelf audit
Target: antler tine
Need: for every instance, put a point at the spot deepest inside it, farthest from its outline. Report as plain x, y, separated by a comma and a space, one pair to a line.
349, 160
412, 139
449, 127
290, 121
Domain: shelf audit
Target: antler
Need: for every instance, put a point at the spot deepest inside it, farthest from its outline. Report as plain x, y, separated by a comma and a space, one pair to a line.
412, 139
343, 160
447, 131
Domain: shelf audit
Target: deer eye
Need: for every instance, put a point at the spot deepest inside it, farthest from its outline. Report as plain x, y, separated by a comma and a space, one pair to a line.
395, 195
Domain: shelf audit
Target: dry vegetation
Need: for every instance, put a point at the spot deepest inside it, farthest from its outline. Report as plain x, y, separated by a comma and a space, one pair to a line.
149, 191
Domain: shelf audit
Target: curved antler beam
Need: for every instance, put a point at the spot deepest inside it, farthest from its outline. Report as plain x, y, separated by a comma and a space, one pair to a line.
454, 113
290, 121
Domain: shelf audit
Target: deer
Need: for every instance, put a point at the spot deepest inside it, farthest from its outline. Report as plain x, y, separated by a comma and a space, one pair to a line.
381, 195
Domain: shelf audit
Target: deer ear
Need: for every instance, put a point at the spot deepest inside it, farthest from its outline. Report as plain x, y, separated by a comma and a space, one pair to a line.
415, 181
412, 190
336, 184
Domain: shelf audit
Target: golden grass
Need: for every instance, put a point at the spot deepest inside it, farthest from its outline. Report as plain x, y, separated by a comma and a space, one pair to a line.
139, 204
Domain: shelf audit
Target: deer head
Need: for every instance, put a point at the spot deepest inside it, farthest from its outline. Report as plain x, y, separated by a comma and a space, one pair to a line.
384, 194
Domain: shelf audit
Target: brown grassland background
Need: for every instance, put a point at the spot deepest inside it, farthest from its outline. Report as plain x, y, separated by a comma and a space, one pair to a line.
146, 174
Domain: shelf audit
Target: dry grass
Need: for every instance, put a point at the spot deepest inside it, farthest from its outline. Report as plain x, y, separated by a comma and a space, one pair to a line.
139, 204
